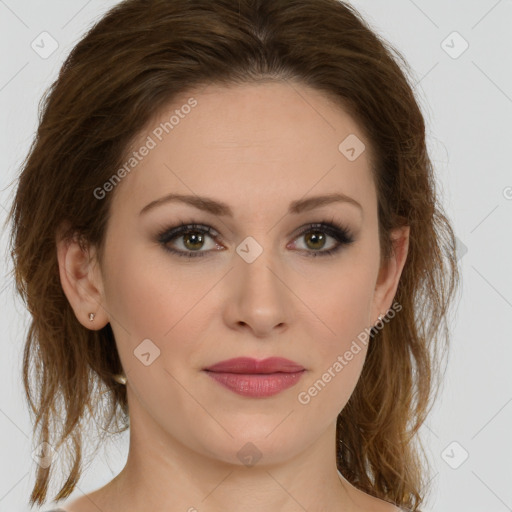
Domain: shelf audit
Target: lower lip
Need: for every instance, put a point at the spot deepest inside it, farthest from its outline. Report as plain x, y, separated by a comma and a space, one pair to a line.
256, 384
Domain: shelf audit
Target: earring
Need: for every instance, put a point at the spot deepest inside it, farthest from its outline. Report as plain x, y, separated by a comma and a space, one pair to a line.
379, 320
120, 378
91, 316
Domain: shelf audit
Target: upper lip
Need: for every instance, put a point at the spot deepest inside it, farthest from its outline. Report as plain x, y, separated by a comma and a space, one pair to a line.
250, 365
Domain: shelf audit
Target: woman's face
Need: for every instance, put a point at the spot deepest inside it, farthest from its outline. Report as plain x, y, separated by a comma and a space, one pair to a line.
259, 285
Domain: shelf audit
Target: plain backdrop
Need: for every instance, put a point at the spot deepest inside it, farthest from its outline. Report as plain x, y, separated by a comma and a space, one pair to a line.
461, 56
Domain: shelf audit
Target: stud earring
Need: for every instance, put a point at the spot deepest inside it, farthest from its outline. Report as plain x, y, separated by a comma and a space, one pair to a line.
378, 320
91, 316
120, 378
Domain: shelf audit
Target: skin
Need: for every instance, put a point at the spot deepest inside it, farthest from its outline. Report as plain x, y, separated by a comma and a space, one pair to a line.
257, 148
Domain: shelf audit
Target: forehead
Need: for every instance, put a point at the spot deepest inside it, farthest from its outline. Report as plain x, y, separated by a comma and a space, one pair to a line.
282, 139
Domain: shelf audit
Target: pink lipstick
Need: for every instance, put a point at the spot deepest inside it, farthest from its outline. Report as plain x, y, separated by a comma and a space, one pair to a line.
253, 378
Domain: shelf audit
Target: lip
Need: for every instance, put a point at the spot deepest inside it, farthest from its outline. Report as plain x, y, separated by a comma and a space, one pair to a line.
249, 365
252, 378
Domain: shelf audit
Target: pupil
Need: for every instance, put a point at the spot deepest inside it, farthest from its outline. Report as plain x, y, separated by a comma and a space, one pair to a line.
316, 236
197, 238
194, 241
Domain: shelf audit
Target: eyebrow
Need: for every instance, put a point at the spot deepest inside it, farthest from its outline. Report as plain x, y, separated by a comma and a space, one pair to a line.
222, 209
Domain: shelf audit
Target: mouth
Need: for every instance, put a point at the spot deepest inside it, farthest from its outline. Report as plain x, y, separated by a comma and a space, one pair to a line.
256, 378
256, 385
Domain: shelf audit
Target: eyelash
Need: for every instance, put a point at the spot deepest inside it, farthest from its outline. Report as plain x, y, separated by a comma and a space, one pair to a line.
340, 233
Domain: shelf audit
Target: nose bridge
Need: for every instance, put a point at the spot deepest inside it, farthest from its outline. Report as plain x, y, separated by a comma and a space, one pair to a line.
257, 261
259, 281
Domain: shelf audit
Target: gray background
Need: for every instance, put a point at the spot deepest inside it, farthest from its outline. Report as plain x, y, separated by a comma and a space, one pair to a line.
466, 98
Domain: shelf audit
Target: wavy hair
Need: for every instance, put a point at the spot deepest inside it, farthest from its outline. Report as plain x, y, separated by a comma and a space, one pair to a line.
124, 70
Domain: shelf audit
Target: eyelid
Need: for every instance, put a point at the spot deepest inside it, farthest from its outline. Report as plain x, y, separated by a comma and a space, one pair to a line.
340, 232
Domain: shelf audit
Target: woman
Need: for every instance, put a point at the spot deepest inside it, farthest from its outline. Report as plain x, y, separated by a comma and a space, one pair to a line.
227, 230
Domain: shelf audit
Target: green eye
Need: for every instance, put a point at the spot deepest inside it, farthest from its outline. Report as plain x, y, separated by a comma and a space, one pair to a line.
193, 238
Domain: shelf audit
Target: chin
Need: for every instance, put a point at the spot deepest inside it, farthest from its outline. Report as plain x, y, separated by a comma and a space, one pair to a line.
263, 443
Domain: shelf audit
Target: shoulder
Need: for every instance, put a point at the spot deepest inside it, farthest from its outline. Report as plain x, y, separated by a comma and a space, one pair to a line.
383, 506
389, 507
370, 503
91, 502
66, 508
366, 502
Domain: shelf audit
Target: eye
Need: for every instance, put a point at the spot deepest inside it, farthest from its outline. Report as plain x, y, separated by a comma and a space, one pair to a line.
314, 236
192, 238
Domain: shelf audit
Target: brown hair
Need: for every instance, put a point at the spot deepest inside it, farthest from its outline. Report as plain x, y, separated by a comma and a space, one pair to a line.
128, 66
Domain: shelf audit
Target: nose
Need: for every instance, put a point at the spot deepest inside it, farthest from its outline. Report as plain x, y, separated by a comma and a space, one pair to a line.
258, 297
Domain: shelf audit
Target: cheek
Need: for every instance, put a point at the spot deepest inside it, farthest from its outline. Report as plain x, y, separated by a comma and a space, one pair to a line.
164, 303
340, 309
340, 326
145, 296
339, 361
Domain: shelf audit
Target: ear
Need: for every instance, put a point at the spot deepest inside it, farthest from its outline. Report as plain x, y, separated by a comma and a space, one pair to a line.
390, 272
81, 281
